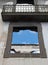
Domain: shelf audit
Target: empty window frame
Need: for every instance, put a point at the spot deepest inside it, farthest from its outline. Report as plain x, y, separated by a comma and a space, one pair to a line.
25, 40
25, 1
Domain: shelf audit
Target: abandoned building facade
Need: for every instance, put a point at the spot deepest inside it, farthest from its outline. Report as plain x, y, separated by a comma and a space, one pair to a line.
23, 32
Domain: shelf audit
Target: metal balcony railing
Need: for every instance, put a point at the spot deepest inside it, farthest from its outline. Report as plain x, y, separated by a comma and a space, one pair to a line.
25, 8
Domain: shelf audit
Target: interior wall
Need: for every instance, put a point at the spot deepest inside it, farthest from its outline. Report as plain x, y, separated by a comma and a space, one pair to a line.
3, 2
42, 2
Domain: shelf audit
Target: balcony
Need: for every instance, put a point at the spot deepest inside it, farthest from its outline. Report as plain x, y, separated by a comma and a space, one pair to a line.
37, 13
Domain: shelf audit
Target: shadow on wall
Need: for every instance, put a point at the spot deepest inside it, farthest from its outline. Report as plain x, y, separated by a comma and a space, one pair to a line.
1, 24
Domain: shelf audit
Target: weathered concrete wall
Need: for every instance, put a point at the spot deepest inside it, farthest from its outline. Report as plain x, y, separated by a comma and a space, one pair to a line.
3, 37
21, 61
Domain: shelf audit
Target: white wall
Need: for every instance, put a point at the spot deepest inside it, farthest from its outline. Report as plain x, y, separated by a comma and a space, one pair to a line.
45, 35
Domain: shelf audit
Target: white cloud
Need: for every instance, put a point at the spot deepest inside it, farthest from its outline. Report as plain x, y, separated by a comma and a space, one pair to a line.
21, 31
32, 32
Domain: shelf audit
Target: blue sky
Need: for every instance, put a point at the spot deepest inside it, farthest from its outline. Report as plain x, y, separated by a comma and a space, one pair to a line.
25, 37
